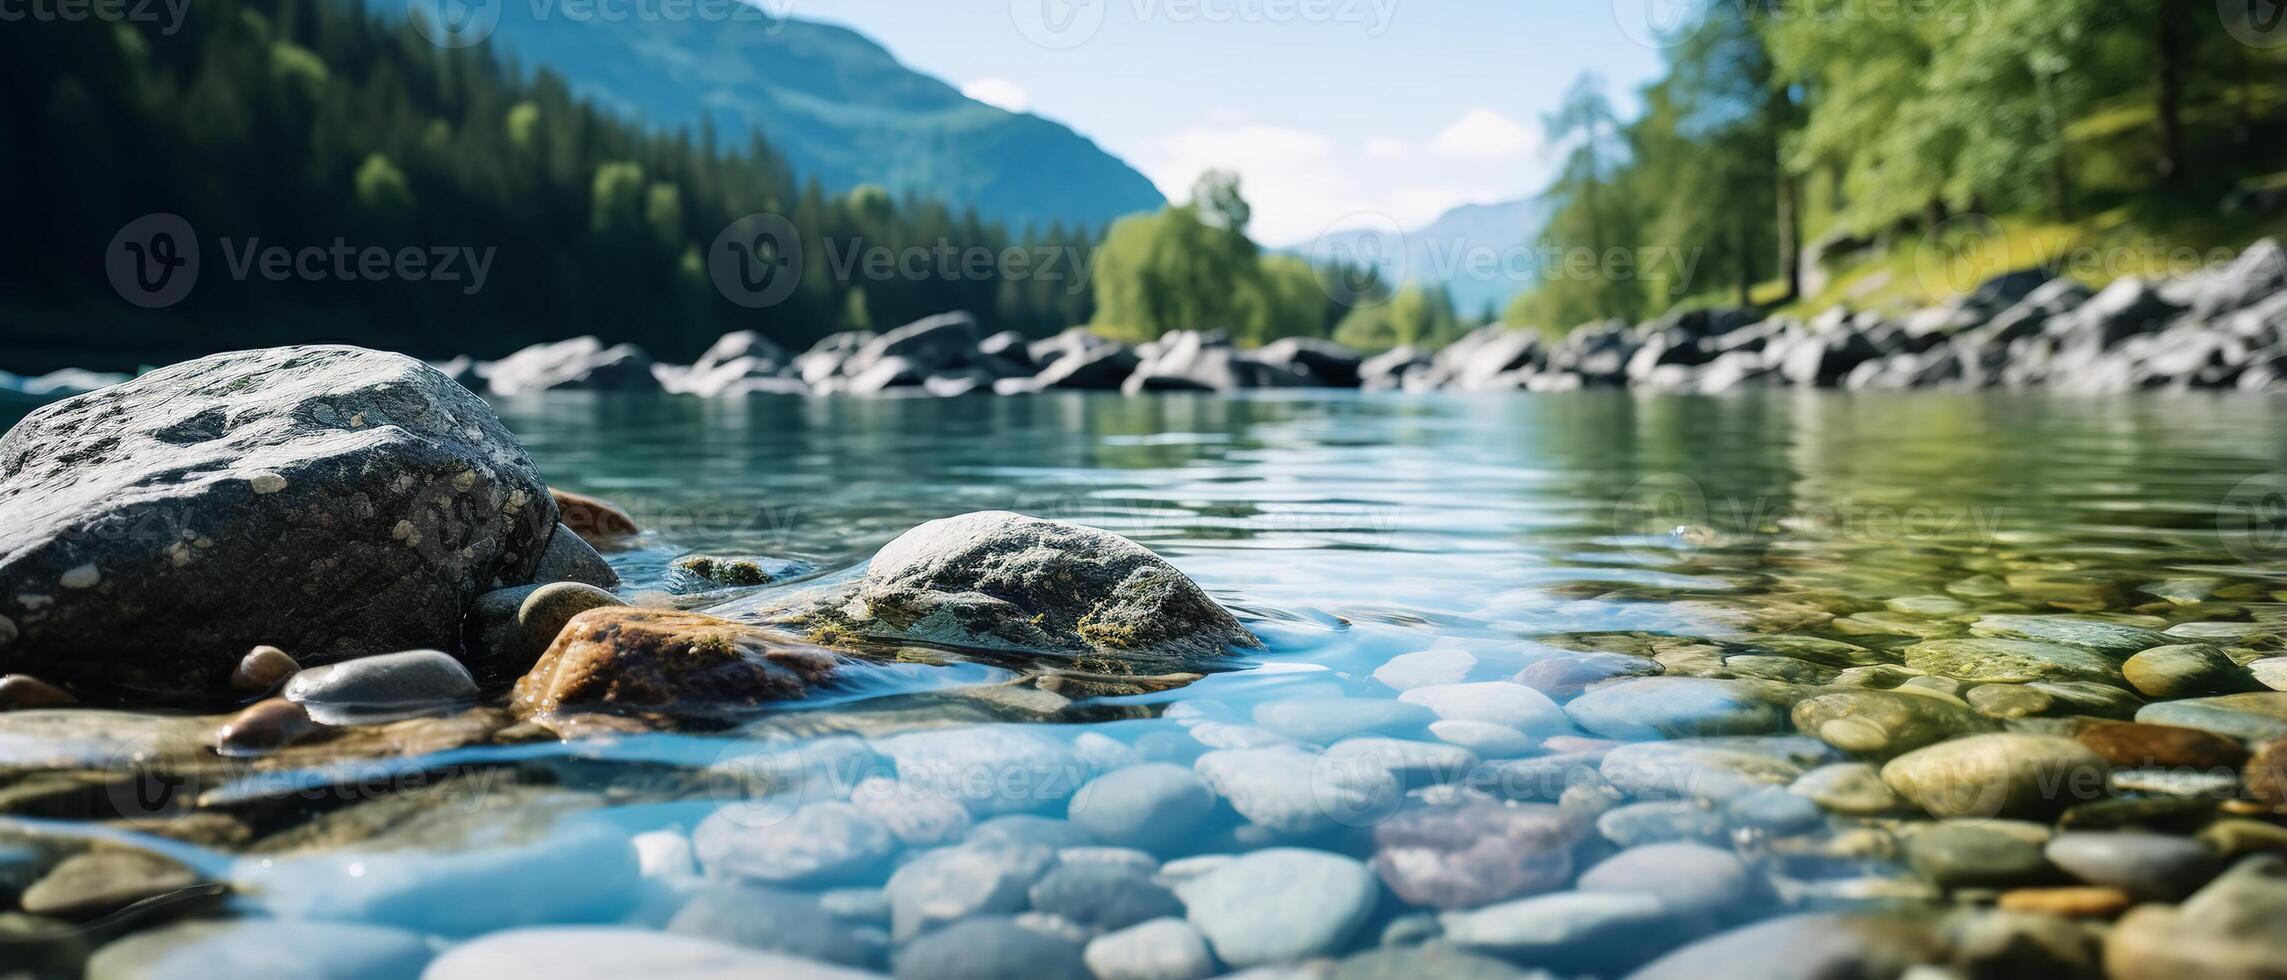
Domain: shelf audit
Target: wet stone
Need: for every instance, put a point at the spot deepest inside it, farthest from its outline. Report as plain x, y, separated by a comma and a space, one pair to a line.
1566, 931
1969, 856
2068, 901
1804, 947
262, 670
1687, 877
1031, 830
1327, 720
1280, 905
265, 726
2008, 661
1567, 677
2134, 744
621, 659
1718, 769
991, 948
262, 947
1465, 856
2270, 672
1638, 824
19, 691
1773, 811
1407, 671
1997, 775
1415, 962
1849, 788
1676, 707
100, 882
1162, 949
2185, 671
1153, 806
2154, 867
1411, 764
1498, 702
773, 921
2087, 634
1288, 791
604, 952
414, 680
919, 817
1882, 724
2228, 929
1484, 738
953, 883
824, 842
2015, 944
2249, 717
509, 629
1103, 896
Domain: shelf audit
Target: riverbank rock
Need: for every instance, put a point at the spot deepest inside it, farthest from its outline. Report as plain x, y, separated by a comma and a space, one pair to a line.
578, 364
1004, 581
596, 521
621, 659
331, 501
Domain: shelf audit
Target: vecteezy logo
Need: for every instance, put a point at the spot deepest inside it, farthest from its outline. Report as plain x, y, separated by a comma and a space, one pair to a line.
1058, 24
2255, 23
2252, 518
1656, 23
1661, 517
454, 23
1362, 258
154, 261
757, 261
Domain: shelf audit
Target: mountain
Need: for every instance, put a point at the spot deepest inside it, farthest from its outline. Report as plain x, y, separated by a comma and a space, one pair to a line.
1484, 254
836, 104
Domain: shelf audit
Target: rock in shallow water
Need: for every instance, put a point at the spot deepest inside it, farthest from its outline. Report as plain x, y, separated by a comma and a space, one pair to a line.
2150, 866
1162, 949
1280, 905
1598, 932
625, 659
774, 922
828, 841
1004, 581
612, 953
2009, 661
2185, 671
263, 947
2229, 930
2249, 717
1998, 775
509, 629
414, 680
954, 883
1882, 724
991, 948
368, 498
1675, 707
1154, 806
1471, 855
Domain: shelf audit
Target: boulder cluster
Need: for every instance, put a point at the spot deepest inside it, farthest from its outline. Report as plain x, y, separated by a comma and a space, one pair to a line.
2223, 328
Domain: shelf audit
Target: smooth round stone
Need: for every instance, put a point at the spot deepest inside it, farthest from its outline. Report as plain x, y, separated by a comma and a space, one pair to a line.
1162, 949
1413, 764
1928, 605
1118, 857
1976, 857
918, 817
1327, 720
1422, 961
1773, 811
609, 952
2228, 929
2016, 944
991, 948
1280, 905
1853, 789
2008, 661
1717, 769
1154, 806
265, 726
1687, 877
1573, 931
2250, 717
1817, 650
2266, 774
2236, 837
2154, 867
94, 883
1484, 738
1676, 707
2011, 701
262, 947
1567, 676
1879, 676
1639, 824
409, 681
2067, 901
1787, 670
1895, 624
1998, 775
2270, 672
1289, 791
826, 842
1103, 896
1102, 753
2184, 671
1882, 724
2135, 744
1805, 947
262, 670
2088, 634
775, 922
1496, 702
2091, 698
1025, 829
953, 883
2232, 633
1407, 671
1465, 856
991, 769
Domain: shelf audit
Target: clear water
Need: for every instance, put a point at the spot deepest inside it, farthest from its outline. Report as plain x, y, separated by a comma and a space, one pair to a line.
1349, 529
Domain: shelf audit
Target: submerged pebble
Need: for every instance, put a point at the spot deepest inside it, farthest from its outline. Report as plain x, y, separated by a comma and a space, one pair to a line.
414, 680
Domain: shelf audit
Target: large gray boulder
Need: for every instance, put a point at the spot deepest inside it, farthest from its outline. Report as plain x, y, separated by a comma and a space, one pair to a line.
997, 580
1189, 360
930, 345
332, 501
1100, 368
1324, 361
578, 364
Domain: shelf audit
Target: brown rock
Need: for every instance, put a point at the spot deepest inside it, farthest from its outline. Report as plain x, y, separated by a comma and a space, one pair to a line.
263, 670
265, 726
103, 881
627, 659
2072, 902
26, 691
596, 522
2135, 745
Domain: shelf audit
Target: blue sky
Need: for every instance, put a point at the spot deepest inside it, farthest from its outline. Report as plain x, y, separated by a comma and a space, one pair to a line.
1334, 111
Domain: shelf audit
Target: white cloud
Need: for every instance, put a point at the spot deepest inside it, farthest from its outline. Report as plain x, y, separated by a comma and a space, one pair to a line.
1387, 148
999, 92
1483, 134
